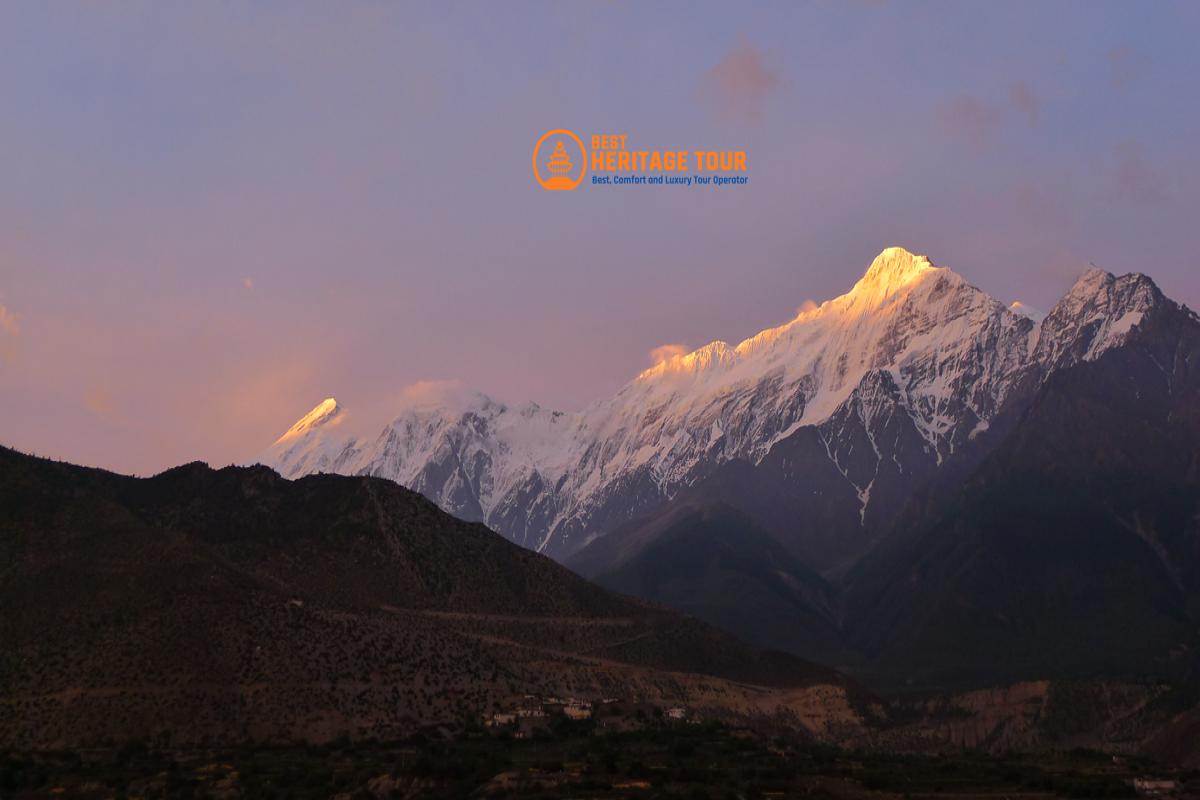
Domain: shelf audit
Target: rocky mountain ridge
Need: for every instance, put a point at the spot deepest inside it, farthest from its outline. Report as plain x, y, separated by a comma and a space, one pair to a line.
896, 376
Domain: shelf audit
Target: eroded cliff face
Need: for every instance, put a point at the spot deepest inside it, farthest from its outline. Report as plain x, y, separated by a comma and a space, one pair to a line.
1026, 717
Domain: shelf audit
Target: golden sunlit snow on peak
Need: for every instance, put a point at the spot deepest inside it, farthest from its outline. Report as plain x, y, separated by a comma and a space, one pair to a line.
326, 412
891, 269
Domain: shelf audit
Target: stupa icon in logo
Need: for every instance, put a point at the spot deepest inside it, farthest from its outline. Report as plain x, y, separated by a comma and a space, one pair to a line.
560, 170
560, 162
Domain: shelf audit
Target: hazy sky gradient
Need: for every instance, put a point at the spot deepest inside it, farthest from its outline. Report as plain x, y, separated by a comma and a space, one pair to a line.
214, 215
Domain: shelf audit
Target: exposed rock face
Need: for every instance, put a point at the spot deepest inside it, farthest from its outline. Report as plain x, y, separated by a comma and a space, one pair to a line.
1027, 717
1071, 550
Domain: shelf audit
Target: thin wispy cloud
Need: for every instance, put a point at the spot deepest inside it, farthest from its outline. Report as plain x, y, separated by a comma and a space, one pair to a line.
970, 117
1023, 99
432, 392
1137, 179
8, 322
101, 403
1124, 65
10, 328
979, 119
666, 352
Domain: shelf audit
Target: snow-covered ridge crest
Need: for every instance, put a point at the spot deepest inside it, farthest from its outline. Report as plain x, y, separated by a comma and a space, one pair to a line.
902, 306
891, 271
327, 412
941, 356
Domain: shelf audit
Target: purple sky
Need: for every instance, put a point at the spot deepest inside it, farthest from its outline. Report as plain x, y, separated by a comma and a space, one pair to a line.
212, 216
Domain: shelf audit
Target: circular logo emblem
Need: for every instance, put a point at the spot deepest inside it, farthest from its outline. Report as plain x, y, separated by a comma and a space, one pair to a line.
559, 160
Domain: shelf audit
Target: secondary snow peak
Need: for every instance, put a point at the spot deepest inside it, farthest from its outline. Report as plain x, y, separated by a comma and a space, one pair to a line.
1089, 282
325, 411
1103, 289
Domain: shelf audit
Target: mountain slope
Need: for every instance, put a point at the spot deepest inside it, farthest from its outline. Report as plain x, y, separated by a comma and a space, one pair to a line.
234, 604
1074, 548
1059, 542
832, 491
713, 562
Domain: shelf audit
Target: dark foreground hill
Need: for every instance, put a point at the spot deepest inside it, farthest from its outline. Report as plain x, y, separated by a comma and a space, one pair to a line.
233, 605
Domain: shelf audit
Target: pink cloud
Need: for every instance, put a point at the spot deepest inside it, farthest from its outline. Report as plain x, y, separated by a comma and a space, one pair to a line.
8, 322
739, 85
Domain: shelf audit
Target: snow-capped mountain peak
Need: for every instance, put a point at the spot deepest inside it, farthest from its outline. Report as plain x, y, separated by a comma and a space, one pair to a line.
854, 325
909, 366
892, 270
1097, 313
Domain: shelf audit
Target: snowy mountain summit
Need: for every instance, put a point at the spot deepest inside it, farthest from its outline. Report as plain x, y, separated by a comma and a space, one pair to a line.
906, 370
